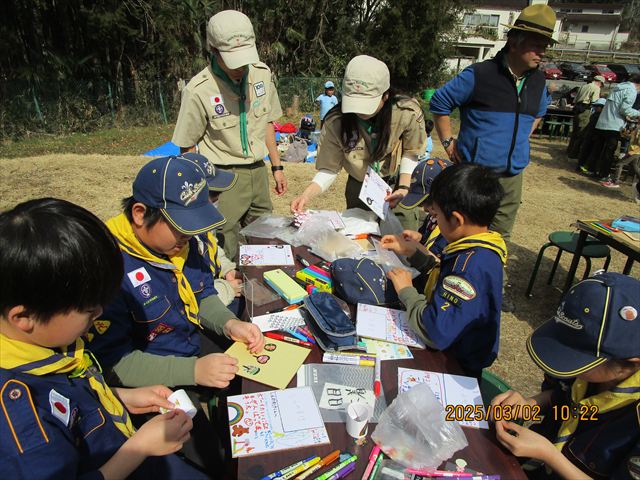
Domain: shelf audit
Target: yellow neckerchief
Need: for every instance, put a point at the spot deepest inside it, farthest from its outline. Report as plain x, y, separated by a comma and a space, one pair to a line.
211, 243
623, 394
129, 243
72, 360
490, 240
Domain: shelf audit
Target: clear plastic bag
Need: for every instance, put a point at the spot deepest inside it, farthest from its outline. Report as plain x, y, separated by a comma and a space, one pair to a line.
413, 430
391, 225
324, 241
266, 226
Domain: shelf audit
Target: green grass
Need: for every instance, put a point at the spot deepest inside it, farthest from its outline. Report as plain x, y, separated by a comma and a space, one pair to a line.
111, 141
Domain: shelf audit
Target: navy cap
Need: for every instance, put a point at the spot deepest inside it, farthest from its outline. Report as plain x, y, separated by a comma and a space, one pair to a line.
421, 180
178, 187
597, 320
219, 180
362, 281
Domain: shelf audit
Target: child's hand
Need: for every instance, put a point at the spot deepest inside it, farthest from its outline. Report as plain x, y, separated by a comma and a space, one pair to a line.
145, 399
215, 370
233, 275
163, 434
524, 442
395, 197
245, 332
236, 284
411, 236
399, 245
511, 398
400, 278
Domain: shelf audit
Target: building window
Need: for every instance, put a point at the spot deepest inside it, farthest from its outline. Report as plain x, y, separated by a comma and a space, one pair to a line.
477, 19
585, 28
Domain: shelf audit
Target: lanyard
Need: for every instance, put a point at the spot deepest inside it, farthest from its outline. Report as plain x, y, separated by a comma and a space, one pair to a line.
370, 128
239, 90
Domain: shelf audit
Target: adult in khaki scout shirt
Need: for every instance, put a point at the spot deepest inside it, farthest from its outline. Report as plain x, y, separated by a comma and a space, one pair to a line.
372, 127
226, 113
585, 96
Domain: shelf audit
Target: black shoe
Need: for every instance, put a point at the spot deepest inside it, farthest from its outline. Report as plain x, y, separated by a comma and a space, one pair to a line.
508, 305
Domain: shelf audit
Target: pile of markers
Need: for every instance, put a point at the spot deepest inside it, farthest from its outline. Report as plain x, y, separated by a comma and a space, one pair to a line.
298, 335
307, 467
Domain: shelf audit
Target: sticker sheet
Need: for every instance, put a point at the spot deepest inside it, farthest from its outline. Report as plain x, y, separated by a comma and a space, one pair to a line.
373, 192
386, 324
265, 255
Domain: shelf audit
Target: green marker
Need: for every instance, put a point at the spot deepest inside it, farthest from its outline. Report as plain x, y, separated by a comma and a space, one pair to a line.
376, 467
337, 468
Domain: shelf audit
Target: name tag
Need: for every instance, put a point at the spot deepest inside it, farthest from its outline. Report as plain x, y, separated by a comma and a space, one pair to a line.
260, 89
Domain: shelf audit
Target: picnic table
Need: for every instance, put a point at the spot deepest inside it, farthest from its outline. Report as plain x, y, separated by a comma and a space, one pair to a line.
484, 453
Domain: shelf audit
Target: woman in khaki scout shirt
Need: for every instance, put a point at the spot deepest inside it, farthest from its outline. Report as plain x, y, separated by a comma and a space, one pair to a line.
226, 113
372, 127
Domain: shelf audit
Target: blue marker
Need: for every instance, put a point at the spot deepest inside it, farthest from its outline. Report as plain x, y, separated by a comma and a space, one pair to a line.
296, 334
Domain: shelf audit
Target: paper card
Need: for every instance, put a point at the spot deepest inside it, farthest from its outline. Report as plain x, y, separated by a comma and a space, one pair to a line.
338, 397
387, 350
273, 421
275, 365
373, 192
279, 320
385, 324
265, 255
448, 389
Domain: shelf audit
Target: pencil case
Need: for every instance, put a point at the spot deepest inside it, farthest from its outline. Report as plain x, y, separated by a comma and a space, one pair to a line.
327, 318
285, 286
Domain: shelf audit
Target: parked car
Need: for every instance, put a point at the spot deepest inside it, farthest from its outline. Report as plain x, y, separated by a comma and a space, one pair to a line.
551, 71
574, 71
603, 70
623, 70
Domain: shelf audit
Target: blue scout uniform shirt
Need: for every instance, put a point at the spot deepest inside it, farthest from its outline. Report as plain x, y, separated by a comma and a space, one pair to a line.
463, 315
148, 313
66, 434
326, 103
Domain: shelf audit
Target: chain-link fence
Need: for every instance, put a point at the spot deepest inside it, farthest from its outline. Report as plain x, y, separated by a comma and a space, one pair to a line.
82, 106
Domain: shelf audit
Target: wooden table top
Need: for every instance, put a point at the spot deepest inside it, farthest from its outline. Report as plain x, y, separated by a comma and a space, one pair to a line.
483, 453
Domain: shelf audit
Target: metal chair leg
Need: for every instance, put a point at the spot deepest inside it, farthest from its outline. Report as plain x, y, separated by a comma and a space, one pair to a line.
534, 272
555, 267
605, 267
587, 270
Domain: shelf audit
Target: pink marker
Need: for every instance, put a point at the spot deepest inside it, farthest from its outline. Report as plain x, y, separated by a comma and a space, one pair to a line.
377, 381
373, 456
438, 473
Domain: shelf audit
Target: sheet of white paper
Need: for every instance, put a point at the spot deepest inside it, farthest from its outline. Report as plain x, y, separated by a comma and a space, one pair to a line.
373, 192
338, 397
385, 324
278, 320
262, 255
298, 409
448, 389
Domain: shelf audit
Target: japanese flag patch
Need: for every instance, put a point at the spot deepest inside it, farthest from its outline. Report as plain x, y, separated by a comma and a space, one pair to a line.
60, 407
139, 276
218, 104
260, 90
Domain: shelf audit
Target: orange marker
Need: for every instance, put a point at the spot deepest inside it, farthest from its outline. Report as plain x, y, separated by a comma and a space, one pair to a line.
328, 460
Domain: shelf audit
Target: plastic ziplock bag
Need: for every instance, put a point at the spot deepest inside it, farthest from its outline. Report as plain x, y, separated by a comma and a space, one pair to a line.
324, 241
390, 225
266, 226
413, 430
357, 220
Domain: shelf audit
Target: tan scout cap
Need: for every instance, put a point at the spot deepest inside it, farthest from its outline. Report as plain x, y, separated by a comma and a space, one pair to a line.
231, 33
365, 81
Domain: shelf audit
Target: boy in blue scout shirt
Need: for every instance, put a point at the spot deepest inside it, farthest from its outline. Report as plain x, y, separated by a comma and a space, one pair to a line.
460, 310
152, 330
590, 353
60, 419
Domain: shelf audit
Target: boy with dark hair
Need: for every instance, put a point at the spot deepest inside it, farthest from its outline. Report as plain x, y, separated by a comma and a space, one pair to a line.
590, 353
460, 309
152, 331
59, 266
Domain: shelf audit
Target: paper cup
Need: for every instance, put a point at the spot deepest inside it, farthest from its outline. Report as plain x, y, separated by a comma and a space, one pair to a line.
358, 416
182, 402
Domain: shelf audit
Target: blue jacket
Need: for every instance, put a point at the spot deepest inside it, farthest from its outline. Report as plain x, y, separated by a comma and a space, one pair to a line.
34, 443
602, 448
619, 106
150, 316
495, 121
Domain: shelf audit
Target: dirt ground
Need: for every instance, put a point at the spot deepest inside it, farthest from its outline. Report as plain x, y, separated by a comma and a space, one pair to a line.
554, 197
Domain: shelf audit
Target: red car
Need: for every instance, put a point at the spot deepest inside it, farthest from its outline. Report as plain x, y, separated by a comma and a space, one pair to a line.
603, 70
551, 71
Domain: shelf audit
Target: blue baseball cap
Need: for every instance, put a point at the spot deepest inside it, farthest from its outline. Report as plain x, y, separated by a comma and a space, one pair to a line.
219, 180
329, 84
178, 187
597, 321
421, 180
362, 281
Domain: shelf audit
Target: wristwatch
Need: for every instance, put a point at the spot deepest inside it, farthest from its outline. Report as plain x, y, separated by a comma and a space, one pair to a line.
275, 168
447, 142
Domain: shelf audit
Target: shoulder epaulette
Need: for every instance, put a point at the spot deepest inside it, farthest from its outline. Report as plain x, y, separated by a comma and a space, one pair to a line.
262, 66
19, 412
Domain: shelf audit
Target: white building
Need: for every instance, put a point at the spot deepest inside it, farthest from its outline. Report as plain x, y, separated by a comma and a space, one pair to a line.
577, 25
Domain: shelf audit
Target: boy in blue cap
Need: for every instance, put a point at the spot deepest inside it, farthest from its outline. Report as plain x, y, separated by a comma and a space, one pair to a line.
590, 353
460, 308
153, 329
327, 100
59, 266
